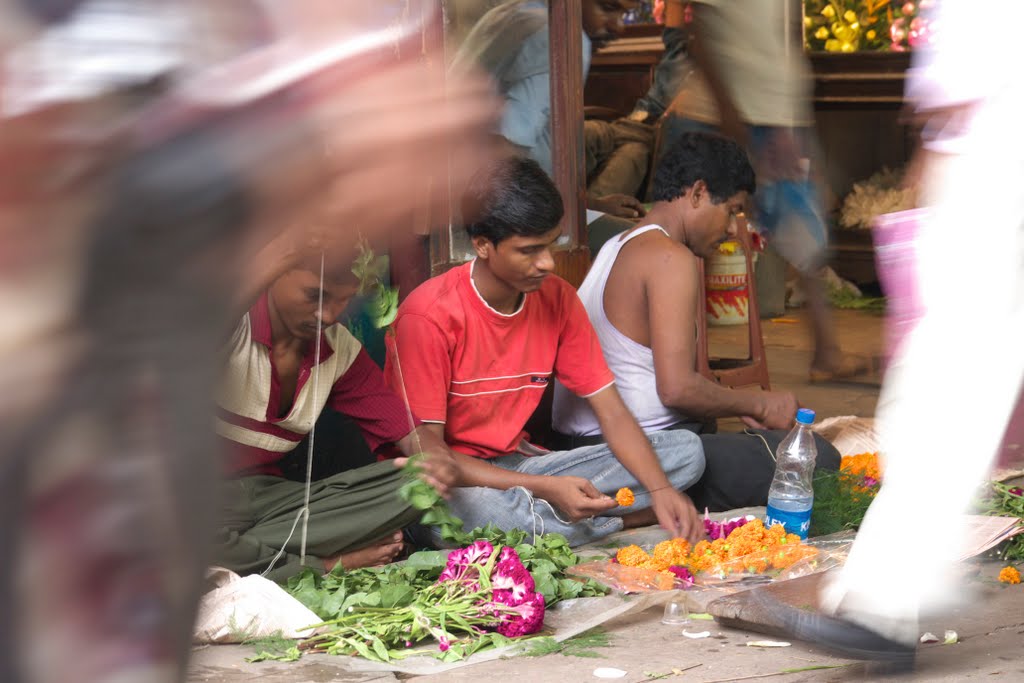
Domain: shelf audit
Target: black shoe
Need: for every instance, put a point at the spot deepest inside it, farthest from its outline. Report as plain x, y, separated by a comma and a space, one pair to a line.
842, 637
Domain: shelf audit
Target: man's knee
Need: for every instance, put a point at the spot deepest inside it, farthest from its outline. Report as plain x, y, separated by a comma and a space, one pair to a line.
681, 455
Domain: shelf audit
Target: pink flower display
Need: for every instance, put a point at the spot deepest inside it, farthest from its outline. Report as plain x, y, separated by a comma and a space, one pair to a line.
512, 601
682, 574
460, 566
524, 618
716, 530
510, 575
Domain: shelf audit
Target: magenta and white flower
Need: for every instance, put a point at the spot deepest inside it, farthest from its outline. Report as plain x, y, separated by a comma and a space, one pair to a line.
512, 601
520, 618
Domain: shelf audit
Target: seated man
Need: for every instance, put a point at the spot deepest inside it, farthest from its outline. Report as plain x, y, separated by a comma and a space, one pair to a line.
510, 42
475, 349
701, 184
273, 393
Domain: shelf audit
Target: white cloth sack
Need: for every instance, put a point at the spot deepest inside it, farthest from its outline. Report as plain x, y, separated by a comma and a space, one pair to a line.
240, 608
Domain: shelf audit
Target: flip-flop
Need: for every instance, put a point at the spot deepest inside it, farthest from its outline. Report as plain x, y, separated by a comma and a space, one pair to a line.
849, 367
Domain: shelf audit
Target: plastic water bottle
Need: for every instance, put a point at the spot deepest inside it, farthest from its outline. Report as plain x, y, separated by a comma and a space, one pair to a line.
792, 492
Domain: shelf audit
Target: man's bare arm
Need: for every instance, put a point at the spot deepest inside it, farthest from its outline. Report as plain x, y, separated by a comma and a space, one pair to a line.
674, 510
673, 288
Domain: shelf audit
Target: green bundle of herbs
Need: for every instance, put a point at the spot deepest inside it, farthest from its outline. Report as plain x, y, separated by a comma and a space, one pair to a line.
1006, 501
841, 500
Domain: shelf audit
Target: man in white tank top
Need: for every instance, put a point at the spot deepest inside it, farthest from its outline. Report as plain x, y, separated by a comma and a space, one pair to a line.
642, 295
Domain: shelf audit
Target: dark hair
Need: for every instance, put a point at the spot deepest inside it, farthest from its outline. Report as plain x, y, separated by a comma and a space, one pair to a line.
718, 161
513, 196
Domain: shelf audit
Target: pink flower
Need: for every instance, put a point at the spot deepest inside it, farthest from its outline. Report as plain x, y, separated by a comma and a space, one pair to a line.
682, 574
458, 567
479, 552
510, 575
523, 618
870, 482
1017, 491
716, 530
444, 644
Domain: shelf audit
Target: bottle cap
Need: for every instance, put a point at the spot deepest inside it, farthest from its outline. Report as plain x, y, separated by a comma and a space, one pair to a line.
805, 416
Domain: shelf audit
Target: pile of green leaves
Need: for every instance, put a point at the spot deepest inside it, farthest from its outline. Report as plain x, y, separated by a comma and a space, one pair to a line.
380, 613
1002, 502
373, 611
546, 556
840, 502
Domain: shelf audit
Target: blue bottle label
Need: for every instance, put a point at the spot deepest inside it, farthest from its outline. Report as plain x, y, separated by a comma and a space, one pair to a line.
795, 521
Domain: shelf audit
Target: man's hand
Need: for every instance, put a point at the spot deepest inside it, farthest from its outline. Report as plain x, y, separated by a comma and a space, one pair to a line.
576, 497
620, 205
439, 469
778, 410
677, 515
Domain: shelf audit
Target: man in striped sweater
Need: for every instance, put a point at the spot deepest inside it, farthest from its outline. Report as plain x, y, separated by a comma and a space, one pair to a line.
272, 394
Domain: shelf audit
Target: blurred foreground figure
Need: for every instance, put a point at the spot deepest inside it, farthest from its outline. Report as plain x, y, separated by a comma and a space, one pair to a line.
965, 350
148, 152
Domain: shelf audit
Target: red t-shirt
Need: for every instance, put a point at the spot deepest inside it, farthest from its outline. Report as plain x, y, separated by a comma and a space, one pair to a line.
482, 373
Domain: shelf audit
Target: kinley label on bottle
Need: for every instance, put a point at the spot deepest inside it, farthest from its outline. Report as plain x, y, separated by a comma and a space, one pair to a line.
796, 522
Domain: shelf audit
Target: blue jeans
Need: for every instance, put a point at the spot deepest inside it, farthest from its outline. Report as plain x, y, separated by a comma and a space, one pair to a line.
680, 453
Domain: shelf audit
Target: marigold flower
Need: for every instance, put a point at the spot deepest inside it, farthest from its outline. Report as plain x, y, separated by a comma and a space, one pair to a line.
624, 497
632, 556
863, 465
1009, 574
670, 552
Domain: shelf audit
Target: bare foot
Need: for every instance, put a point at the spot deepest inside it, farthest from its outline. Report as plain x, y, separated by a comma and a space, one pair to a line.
840, 367
383, 551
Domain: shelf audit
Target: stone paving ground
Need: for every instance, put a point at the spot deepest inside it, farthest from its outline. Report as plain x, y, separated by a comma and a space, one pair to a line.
990, 622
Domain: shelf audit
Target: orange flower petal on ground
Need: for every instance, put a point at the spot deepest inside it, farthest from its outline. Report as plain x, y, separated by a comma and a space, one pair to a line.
1009, 575
624, 497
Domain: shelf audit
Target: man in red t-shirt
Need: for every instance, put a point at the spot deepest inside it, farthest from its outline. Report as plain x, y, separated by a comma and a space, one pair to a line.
476, 347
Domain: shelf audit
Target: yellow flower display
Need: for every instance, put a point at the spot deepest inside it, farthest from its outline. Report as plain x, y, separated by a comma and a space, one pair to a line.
852, 25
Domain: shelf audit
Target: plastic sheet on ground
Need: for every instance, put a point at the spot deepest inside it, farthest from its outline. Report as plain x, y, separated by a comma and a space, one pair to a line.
567, 619
731, 577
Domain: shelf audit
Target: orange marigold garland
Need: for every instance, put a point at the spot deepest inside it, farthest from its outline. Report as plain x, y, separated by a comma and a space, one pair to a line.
1009, 575
864, 465
749, 548
624, 497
